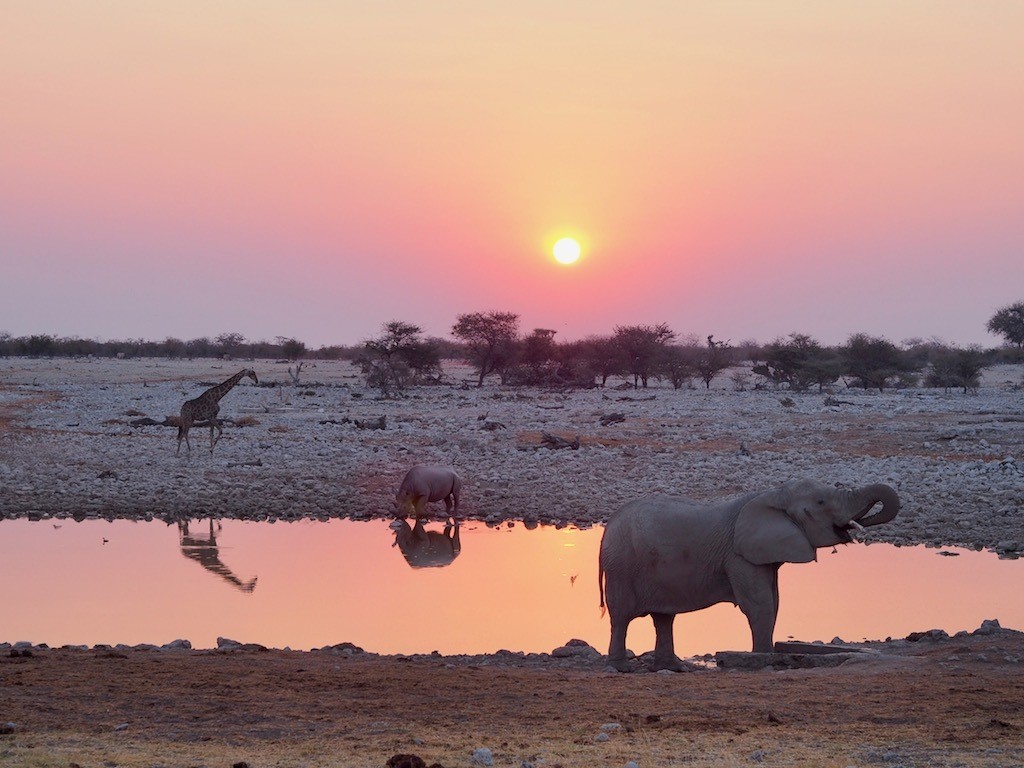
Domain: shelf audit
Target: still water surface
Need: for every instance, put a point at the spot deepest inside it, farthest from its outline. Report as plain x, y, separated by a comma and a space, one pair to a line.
309, 584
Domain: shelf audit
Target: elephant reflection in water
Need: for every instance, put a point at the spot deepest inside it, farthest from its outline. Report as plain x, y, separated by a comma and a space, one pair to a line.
428, 549
204, 551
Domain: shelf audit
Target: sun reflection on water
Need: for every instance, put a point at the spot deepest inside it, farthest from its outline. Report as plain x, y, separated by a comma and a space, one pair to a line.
471, 589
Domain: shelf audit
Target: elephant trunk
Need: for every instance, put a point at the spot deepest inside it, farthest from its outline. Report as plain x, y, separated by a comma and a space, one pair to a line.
863, 499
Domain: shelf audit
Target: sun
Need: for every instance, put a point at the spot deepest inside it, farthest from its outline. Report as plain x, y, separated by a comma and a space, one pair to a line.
566, 251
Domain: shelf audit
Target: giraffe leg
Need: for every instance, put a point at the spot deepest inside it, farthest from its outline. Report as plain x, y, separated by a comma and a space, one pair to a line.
183, 433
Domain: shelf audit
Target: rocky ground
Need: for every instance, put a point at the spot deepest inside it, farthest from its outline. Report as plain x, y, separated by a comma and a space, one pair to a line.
926, 701
68, 448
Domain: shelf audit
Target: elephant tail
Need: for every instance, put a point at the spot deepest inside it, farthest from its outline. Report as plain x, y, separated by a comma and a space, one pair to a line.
600, 584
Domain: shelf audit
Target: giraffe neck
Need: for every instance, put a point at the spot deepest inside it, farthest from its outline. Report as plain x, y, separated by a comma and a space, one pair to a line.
213, 394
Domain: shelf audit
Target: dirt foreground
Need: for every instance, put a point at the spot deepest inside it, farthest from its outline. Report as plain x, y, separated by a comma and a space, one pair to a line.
933, 702
68, 448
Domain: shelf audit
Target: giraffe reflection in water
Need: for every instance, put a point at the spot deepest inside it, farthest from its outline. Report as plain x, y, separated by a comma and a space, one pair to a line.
204, 550
427, 549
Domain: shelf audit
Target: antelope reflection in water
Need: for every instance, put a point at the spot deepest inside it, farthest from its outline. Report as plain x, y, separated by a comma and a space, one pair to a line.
204, 551
427, 549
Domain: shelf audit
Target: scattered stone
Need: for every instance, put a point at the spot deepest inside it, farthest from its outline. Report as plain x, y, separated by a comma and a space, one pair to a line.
225, 644
931, 634
555, 442
602, 737
177, 645
8, 728
576, 648
482, 756
611, 727
752, 661
347, 649
146, 422
121, 727
988, 627
379, 423
406, 761
836, 646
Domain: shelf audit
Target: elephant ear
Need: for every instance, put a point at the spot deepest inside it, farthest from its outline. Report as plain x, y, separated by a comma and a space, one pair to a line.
764, 534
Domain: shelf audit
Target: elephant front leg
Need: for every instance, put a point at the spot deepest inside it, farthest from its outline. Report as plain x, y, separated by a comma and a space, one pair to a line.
664, 644
758, 598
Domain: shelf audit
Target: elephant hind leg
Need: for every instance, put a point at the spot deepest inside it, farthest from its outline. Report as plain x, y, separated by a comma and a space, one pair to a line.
617, 647
664, 645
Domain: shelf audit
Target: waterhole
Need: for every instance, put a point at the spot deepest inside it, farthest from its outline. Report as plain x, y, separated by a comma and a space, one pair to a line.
473, 589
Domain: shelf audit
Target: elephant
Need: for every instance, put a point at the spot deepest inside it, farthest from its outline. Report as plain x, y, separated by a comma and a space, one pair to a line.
664, 555
427, 482
428, 549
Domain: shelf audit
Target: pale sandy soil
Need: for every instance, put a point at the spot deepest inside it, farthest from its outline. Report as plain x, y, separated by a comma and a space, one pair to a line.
66, 446
67, 449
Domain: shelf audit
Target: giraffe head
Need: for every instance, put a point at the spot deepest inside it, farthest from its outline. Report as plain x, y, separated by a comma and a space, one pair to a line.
251, 374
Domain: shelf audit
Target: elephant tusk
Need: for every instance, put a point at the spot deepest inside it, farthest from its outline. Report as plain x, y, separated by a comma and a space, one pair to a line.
855, 524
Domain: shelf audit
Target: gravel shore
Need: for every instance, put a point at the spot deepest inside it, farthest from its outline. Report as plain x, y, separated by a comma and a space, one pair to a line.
68, 447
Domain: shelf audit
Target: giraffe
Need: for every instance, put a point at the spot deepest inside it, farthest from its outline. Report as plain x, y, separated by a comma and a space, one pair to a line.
206, 407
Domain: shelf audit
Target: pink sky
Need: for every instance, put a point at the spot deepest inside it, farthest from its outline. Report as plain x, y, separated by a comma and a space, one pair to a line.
314, 170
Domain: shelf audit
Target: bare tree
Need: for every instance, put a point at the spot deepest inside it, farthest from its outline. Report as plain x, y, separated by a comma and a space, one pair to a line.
642, 349
955, 367
714, 358
679, 363
230, 343
490, 339
397, 358
537, 360
1008, 322
874, 362
798, 362
292, 349
602, 356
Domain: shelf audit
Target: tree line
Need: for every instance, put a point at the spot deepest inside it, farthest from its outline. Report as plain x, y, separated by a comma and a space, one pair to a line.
492, 343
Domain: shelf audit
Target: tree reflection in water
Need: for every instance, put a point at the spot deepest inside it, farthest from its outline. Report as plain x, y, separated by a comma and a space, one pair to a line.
427, 549
204, 550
